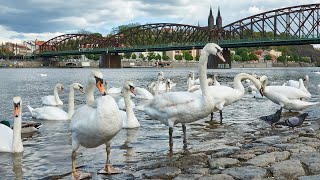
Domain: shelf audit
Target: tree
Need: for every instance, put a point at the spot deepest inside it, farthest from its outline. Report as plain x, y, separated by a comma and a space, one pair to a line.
253, 56
177, 57
197, 57
158, 57
127, 55
165, 57
267, 57
134, 56
237, 58
244, 56
141, 56
151, 55
123, 28
281, 59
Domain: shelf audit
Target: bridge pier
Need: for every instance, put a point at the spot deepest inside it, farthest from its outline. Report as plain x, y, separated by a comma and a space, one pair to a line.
215, 63
110, 60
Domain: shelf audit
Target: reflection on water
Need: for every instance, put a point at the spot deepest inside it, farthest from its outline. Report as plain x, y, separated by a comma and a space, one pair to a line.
47, 153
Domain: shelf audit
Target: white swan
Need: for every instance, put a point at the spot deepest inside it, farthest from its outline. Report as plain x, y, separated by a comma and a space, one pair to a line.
53, 100
286, 96
122, 105
143, 93
160, 78
128, 118
295, 83
55, 113
184, 107
10, 140
196, 87
91, 127
225, 95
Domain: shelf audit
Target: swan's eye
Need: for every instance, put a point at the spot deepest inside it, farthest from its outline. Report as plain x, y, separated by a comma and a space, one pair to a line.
99, 80
131, 87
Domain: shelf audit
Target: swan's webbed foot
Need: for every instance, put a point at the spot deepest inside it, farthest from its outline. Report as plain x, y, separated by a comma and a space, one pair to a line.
78, 175
109, 169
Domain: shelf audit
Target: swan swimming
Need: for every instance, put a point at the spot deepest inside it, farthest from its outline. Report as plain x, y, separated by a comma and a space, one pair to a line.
55, 113
184, 107
94, 124
10, 140
53, 100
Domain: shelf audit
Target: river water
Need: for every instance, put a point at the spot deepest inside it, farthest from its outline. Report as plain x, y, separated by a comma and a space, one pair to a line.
47, 153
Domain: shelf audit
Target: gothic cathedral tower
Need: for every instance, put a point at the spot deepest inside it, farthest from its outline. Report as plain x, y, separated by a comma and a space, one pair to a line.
219, 19
210, 20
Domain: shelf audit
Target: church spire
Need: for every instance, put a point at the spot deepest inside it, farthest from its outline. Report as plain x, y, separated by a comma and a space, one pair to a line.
218, 12
210, 20
219, 19
210, 14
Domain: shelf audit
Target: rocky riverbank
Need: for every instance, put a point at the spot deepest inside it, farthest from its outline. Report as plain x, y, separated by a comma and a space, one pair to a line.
226, 153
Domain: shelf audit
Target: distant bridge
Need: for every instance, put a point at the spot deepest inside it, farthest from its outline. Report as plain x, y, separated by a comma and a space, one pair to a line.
294, 25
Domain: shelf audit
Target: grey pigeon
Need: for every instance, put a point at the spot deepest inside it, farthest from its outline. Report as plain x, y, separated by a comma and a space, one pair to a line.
273, 118
294, 121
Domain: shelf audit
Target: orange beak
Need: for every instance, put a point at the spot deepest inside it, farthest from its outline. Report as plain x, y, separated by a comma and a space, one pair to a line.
132, 90
219, 54
16, 111
101, 88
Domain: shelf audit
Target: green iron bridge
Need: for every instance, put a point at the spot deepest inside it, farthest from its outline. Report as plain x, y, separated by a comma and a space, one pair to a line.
296, 25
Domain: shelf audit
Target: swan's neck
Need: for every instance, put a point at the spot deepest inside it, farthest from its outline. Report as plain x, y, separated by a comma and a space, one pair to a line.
203, 60
89, 95
167, 87
127, 102
189, 83
71, 102
216, 83
56, 94
17, 142
157, 86
193, 76
237, 82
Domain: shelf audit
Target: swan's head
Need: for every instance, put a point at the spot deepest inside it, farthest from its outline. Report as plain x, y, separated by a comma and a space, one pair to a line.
128, 86
60, 87
78, 86
214, 49
96, 78
263, 79
160, 76
17, 106
306, 78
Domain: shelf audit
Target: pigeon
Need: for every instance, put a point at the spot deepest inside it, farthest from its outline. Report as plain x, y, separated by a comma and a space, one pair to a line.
294, 121
273, 118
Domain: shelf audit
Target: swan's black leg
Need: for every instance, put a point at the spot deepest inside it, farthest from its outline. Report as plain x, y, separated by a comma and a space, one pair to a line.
220, 111
170, 139
184, 136
211, 118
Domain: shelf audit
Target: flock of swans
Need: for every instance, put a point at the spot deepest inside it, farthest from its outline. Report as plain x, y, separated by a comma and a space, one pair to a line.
101, 119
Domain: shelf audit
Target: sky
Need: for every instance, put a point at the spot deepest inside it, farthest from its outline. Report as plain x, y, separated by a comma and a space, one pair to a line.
24, 20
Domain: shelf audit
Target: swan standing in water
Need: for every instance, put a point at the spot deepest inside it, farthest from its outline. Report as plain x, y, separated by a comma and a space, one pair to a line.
53, 100
94, 124
225, 95
184, 107
286, 96
55, 113
10, 140
128, 117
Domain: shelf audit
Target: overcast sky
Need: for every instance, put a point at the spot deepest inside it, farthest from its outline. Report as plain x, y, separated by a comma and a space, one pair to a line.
44, 19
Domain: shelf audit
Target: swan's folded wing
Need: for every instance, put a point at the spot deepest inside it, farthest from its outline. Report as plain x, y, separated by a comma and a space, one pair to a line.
6, 137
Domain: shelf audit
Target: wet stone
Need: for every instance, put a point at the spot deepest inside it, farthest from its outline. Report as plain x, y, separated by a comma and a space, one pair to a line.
289, 169
187, 176
269, 140
314, 177
216, 177
162, 173
222, 163
281, 156
243, 156
262, 160
225, 151
196, 170
311, 160
245, 172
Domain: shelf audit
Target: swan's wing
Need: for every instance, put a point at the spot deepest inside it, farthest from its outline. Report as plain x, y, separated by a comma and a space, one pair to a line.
81, 113
49, 100
287, 91
49, 113
143, 93
6, 138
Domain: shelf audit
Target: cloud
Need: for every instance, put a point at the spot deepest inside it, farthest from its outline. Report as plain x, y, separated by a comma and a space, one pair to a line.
47, 17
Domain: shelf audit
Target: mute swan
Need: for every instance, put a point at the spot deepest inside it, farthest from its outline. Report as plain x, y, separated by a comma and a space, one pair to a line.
91, 127
55, 99
26, 127
143, 93
128, 117
225, 95
184, 107
55, 113
10, 140
296, 84
286, 96
196, 87
160, 78
122, 105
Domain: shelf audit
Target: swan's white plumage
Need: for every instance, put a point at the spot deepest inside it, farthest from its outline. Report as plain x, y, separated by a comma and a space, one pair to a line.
143, 93
122, 105
53, 100
6, 138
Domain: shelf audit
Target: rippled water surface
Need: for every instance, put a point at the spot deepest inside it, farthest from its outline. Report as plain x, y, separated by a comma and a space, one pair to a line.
47, 154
